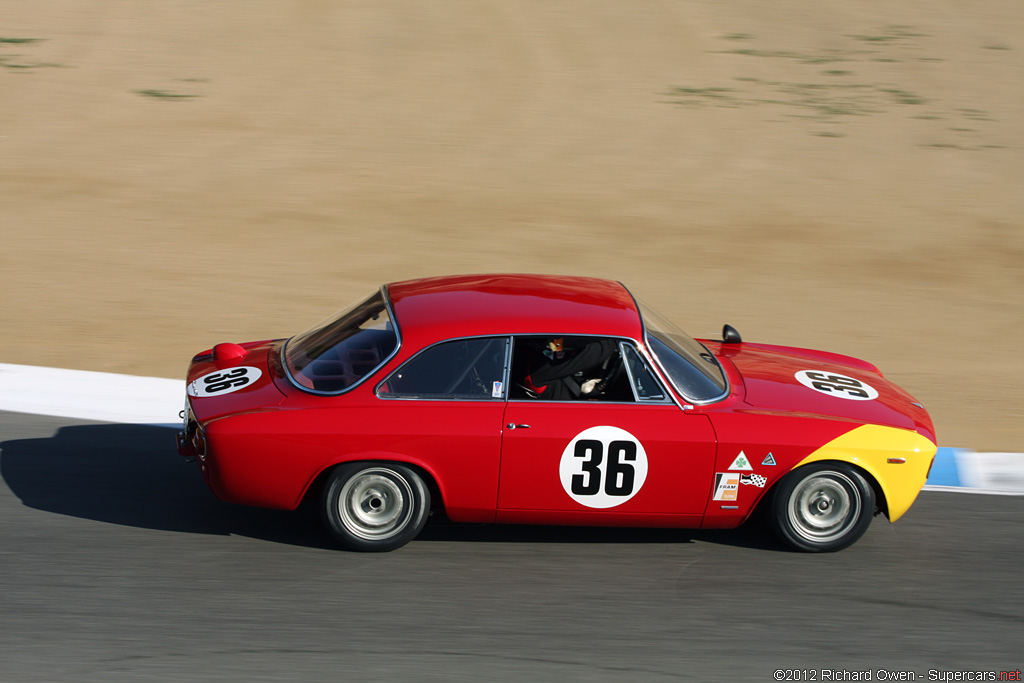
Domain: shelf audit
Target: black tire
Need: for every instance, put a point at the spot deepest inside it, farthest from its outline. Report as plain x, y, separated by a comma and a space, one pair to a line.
375, 507
822, 507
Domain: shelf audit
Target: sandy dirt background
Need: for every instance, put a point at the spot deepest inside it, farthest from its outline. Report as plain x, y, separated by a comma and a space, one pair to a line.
840, 175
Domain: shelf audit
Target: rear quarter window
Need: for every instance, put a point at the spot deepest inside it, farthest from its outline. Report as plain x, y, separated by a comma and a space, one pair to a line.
459, 369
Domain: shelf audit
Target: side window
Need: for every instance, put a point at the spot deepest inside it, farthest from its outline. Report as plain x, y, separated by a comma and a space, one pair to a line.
569, 368
645, 384
460, 369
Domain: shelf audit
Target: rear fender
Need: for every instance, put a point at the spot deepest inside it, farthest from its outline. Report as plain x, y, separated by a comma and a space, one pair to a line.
315, 485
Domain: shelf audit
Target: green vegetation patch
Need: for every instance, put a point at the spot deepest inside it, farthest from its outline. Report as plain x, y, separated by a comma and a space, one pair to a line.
17, 61
822, 101
164, 94
894, 33
827, 96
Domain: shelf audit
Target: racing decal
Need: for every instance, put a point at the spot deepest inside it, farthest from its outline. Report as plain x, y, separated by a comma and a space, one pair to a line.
495, 389
740, 463
603, 467
769, 460
727, 485
839, 386
754, 480
224, 381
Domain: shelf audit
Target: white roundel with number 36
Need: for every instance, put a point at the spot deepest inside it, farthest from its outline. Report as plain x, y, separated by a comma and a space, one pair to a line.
839, 386
603, 467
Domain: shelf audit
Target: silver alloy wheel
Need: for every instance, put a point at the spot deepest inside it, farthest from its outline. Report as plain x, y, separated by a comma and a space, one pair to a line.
376, 504
824, 506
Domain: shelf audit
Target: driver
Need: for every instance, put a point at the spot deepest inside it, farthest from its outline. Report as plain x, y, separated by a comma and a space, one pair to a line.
561, 375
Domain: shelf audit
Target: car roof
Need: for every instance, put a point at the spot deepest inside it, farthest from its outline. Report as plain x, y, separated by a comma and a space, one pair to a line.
432, 309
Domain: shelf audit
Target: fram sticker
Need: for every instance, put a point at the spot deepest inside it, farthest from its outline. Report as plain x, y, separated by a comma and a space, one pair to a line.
753, 480
727, 485
839, 386
224, 381
741, 462
603, 467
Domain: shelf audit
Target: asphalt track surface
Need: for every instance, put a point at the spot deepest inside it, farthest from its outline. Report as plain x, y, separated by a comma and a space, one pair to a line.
116, 563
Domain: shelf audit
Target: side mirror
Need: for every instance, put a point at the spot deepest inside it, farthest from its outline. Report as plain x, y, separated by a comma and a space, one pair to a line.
730, 335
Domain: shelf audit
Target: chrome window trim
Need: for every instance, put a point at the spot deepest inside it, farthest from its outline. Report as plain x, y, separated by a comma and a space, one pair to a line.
491, 399
398, 345
593, 403
664, 375
666, 394
670, 396
673, 393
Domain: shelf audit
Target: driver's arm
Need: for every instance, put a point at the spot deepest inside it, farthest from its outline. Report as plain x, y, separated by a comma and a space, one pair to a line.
590, 356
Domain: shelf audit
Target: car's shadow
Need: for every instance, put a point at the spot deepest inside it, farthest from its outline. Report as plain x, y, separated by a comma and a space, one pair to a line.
751, 535
131, 475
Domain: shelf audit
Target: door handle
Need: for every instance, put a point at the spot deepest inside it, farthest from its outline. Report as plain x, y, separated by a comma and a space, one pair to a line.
512, 425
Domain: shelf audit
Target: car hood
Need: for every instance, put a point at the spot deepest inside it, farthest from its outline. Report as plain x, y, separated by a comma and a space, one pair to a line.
232, 378
817, 383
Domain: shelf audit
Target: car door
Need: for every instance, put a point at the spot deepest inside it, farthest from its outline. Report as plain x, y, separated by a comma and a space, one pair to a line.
638, 458
445, 406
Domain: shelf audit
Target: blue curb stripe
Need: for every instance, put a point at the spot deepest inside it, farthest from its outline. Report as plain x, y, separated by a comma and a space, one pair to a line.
945, 471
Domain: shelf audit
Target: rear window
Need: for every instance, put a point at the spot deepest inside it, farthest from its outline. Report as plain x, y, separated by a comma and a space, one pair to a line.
338, 354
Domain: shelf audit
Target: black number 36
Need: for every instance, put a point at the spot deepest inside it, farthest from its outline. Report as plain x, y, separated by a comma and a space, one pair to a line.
619, 474
837, 384
222, 381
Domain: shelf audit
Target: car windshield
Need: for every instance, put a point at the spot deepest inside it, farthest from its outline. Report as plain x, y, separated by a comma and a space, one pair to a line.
336, 355
691, 368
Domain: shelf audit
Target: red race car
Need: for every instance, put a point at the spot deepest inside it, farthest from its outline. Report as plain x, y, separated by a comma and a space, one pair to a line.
534, 399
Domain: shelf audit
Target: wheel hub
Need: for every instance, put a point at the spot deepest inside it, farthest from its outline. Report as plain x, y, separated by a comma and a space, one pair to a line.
823, 507
372, 504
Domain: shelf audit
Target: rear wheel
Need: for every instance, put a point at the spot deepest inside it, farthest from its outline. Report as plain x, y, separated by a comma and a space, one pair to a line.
822, 507
375, 506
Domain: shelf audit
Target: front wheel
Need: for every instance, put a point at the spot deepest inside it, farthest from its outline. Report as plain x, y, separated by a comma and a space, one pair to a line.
822, 507
375, 506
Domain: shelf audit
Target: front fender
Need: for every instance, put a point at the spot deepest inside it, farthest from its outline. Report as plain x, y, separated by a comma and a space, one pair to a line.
897, 459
